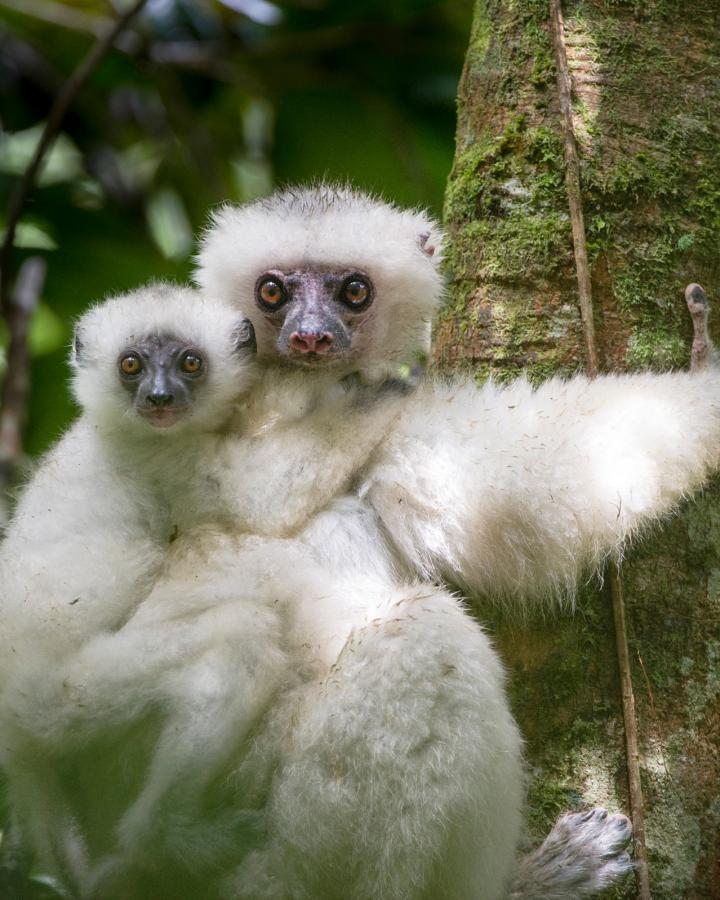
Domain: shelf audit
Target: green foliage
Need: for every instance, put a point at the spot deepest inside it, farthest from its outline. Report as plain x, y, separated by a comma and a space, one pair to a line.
62, 163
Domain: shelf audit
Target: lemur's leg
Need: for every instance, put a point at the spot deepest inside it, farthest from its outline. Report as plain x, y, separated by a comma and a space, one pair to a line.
401, 776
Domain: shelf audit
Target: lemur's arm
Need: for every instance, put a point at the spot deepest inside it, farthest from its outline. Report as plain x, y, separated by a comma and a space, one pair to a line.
514, 491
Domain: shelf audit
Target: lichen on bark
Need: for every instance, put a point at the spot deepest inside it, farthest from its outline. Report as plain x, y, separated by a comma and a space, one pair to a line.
646, 108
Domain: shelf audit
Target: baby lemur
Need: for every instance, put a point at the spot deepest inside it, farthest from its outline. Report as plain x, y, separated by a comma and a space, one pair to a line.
106, 613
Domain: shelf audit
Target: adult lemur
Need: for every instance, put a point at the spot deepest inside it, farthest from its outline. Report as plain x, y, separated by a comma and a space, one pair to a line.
375, 774
511, 492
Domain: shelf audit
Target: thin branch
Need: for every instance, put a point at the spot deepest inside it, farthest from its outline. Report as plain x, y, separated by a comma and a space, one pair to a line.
572, 186
637, 804
210, 58
582, 268
17, 310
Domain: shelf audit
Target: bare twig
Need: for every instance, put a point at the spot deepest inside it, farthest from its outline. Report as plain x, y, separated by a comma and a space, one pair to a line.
16, 311
212, 58
572, 186
637, 805
582, 268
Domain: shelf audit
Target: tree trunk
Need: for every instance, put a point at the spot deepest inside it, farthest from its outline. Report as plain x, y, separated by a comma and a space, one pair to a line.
645, 114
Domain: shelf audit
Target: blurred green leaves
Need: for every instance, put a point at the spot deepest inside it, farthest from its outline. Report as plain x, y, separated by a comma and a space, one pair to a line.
48, 332
169, 224
62, 163
31, 235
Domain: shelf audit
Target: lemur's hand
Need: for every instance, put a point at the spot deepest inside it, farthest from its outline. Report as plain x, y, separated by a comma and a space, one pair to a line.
703, 350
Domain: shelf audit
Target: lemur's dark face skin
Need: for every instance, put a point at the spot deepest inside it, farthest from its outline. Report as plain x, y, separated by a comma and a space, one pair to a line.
316, 314
162, 375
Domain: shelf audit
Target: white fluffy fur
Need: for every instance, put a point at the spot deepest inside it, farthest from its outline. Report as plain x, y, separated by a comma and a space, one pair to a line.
91, 528
514, 492
323, 227
90, 532
403, 764
338, 727
237, 635
109, 327
582, 855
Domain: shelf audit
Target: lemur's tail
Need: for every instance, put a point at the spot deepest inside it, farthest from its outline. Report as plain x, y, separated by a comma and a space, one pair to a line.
583, 854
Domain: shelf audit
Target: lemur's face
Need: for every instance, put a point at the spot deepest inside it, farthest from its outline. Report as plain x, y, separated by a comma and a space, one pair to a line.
318, 315
162, 375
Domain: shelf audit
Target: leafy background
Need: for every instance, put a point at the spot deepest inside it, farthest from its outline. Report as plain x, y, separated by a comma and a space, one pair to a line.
204, 101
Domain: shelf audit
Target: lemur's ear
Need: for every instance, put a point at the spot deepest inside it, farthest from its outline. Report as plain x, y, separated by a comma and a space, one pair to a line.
243, 337
427, 242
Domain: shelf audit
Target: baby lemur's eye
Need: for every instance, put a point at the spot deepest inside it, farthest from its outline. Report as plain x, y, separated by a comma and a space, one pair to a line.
131, 364
355, 292
191, 363
271, 293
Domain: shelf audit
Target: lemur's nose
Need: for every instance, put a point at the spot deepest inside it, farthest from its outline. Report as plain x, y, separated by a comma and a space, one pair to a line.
159, 399
311, 343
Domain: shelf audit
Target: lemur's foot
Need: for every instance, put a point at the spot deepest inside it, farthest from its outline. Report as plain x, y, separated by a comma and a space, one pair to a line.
583, 854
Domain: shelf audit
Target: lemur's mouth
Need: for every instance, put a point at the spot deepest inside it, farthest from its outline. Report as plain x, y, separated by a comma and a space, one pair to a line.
310, 359
315, 359
163, 417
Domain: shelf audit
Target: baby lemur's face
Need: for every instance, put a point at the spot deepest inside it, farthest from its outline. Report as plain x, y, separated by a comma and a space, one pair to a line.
162, 359
162, 375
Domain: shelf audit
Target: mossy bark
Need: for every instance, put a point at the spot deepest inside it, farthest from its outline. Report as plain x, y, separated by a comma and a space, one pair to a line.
646, 108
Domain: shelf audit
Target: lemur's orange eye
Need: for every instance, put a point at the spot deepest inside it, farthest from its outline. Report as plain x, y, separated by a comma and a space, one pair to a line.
191, 363
131, 364
355, 292
271, 293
